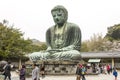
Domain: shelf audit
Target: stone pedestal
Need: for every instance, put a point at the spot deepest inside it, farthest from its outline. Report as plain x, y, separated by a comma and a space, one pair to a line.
55, 67
60, 67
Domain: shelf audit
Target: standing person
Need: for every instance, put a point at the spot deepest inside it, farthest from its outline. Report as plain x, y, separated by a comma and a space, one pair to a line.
78, 72
35, 72
83, 72
108, 68
101, 68
111, 68
7, 71
105, 69
22, 73
115, 73
42, 70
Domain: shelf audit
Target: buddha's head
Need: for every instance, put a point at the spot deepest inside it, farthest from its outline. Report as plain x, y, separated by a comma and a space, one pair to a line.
60, 14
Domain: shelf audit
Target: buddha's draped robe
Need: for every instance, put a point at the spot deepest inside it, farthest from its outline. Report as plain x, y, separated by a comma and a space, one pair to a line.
71, 38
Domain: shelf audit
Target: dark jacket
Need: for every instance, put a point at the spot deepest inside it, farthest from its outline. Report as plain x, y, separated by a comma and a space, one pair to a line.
79, 71
22, 74
115, 73
7, 70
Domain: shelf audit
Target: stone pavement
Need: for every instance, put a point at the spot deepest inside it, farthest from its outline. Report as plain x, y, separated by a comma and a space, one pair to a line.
69, 77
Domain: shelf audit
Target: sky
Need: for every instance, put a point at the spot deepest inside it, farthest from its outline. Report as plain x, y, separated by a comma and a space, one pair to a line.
33, 17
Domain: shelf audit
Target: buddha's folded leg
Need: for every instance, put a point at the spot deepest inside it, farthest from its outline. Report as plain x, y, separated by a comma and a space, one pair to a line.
68, 55
38, 56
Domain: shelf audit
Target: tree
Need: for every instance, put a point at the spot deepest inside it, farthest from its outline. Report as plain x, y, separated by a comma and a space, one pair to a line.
113, 33
95, 44
12, 43
84, 47
43, 47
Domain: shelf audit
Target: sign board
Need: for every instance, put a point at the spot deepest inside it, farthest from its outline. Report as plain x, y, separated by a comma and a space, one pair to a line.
94, 60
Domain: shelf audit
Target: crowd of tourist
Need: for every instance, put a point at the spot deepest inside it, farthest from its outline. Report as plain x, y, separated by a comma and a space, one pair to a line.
82, 70
36, 71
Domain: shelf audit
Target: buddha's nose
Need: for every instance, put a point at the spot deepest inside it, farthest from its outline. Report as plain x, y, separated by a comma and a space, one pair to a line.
57, 19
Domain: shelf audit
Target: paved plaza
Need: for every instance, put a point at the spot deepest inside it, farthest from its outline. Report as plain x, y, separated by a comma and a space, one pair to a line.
69, 77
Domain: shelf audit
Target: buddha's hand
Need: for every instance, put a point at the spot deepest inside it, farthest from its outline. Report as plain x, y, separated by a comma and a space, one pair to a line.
55, 50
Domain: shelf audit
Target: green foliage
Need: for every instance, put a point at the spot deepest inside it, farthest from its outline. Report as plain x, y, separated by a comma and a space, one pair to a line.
8, 38
12, 44
43, 47
33, 48
98, 43
113, 33
84, 47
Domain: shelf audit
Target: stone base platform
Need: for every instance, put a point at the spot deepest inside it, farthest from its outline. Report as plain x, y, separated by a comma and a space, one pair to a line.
58, 67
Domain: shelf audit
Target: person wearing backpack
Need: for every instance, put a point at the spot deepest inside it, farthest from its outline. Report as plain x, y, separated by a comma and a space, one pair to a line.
78, 72
83, 72
115, 73
7, 71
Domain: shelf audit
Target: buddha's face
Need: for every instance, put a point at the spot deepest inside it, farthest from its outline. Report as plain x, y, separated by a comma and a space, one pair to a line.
59, 16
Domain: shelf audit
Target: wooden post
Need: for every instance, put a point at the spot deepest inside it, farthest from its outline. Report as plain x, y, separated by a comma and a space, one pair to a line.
113, 63
19, 63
